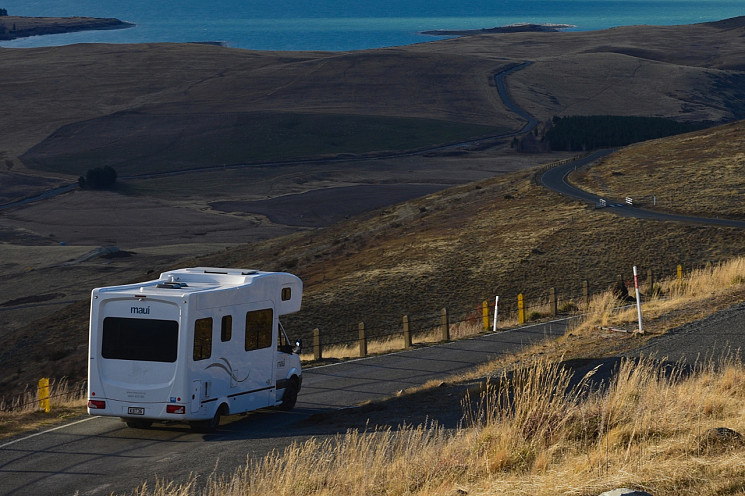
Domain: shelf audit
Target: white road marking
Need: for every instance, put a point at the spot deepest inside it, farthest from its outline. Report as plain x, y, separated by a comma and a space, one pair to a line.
46, 432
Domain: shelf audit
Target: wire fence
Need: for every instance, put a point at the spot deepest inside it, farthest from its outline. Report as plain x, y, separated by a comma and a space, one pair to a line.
433, 326
510, 311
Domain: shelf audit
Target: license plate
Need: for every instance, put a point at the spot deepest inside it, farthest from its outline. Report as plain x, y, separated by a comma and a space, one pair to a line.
135, 410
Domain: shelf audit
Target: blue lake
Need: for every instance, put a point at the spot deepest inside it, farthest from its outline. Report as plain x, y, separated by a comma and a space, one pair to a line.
349, 24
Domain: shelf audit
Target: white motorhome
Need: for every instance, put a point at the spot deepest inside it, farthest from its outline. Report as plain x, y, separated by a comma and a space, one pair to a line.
196, 344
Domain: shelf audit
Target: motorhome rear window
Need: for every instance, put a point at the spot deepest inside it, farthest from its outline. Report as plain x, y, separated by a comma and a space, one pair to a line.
146, 340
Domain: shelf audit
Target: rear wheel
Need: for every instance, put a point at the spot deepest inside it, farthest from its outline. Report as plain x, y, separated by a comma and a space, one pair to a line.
139, 424
289, 398
212, 424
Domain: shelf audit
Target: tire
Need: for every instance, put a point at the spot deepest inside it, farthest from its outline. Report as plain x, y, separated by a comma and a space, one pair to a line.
211, 425
289, 398
139, 424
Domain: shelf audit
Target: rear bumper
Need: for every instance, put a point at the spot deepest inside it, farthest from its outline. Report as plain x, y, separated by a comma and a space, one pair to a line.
144, 411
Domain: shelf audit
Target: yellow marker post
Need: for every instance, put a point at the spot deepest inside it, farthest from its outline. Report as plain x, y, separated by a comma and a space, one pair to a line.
680, 274
44, 394
521, 308
485, 313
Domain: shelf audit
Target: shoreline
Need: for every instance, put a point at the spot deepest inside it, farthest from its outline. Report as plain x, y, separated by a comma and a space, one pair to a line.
14, 27
511, 28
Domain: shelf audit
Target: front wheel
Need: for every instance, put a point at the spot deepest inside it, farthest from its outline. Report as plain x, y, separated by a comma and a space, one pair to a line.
289, 398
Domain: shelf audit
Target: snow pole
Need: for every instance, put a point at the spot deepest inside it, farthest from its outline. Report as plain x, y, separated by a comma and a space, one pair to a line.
496, 312
638, 301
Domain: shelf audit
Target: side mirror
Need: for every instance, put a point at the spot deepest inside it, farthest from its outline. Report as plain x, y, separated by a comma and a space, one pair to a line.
298, 347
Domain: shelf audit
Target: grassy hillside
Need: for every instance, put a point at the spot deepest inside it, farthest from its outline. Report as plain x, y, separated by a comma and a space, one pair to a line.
450, 249
182, 83
134, 143
460, 246
712, 161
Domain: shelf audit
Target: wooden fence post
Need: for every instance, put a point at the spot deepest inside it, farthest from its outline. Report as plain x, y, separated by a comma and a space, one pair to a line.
521, 308
485, 314
445, 325
44, 394
586, 292
407, 333
363, 340
316, 344
553, 307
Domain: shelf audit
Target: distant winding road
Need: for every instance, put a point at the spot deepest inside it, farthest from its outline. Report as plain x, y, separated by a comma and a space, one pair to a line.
556, 179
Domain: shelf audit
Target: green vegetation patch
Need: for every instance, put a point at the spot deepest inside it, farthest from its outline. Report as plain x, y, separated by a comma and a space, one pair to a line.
140, 143
606, 131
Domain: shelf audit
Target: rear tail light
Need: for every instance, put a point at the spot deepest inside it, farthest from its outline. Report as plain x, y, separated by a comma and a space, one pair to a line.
175, 409
96, 404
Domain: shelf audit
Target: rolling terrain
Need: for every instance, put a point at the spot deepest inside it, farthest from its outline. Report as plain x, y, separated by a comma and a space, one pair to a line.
486, 229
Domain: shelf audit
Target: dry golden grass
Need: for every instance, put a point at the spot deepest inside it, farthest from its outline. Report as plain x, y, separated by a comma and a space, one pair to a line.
22, 412
531, 433
669, 295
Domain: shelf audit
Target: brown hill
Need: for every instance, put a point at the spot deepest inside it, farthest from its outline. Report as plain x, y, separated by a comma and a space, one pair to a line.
691, 72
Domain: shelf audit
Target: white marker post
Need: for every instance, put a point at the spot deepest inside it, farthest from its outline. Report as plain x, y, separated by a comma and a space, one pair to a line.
496, 312
638, 301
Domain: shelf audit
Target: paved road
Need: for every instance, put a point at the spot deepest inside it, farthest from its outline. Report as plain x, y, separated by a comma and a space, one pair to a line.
530, 121
719, 334
556, 179
97, 455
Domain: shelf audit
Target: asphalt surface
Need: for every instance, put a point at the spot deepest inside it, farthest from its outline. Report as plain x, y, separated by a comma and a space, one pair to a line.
530, 121
719, 335
100, 455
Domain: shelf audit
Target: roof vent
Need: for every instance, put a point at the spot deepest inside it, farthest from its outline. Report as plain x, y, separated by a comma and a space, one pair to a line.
172, 285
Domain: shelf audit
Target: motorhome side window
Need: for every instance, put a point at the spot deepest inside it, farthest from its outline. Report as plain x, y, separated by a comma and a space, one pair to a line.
202, 338
259, 329
286, 294
226, 329
145, 340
